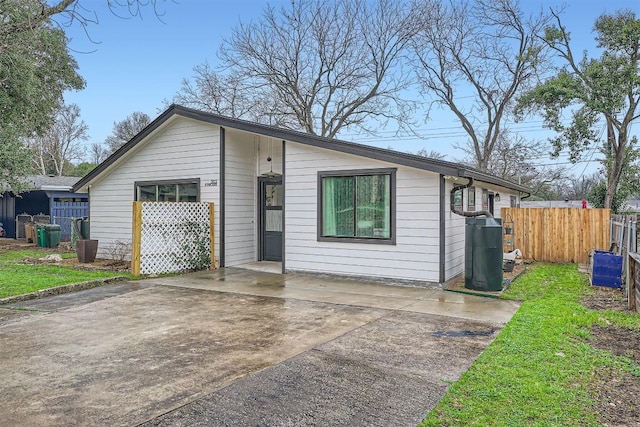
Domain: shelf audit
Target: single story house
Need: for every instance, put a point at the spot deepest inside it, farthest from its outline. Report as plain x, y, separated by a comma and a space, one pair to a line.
314, 204
47, 195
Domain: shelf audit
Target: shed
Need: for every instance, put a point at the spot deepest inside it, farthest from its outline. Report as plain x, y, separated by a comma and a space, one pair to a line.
48, 195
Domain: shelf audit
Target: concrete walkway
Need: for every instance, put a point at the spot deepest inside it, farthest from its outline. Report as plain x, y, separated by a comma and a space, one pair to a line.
347, 292
236, 348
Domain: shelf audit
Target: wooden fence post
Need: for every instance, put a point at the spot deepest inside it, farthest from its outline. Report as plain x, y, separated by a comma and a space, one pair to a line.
212, 234
136, 238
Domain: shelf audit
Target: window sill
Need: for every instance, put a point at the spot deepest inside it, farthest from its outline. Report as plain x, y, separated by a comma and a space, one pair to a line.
371, 241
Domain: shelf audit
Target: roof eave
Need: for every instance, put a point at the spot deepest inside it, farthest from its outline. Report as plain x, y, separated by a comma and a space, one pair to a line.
414, 161
484, 177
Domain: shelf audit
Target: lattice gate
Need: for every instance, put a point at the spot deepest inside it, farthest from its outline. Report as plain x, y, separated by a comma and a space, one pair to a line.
170, 237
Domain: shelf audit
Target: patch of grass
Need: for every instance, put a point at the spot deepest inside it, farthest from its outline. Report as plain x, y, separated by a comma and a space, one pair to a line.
18, 279
631, 321
537, 371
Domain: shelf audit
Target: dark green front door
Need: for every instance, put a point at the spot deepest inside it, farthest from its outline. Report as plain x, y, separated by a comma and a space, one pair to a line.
271, 219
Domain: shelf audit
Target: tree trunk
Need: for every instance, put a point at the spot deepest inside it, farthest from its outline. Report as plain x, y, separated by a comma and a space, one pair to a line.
483, 164
617, 164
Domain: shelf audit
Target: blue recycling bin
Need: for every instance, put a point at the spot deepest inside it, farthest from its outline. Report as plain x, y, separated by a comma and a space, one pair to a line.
607, 269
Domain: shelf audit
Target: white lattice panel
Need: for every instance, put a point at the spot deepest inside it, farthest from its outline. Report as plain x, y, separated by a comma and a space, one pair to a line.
170, 232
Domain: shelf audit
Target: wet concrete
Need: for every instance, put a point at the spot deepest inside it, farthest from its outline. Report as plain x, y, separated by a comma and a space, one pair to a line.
390, 372
19, 310
343, 291
74, 299
233, 347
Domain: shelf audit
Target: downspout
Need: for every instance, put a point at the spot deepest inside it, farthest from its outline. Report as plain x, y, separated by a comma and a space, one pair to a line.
443, 231
284, 207
462, 213
222, 198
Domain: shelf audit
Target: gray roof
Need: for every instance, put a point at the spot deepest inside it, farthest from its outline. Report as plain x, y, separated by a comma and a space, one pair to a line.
411, 160
39, 181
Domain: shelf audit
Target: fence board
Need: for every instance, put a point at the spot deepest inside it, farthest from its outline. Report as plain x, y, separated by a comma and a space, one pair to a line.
633, 281
136, 238
559, 234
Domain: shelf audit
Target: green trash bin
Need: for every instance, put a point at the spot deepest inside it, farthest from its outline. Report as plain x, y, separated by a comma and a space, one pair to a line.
52, 235
84, 228
40, 236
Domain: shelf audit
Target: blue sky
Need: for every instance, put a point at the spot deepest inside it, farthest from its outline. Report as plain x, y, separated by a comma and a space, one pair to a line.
135, 64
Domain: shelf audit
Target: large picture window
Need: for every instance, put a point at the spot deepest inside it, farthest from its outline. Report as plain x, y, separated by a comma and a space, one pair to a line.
168, 191
357, 205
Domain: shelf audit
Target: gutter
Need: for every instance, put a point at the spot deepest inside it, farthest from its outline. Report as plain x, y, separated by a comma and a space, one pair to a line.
56, 188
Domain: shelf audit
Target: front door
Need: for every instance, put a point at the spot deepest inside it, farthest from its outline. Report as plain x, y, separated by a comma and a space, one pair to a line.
270, 219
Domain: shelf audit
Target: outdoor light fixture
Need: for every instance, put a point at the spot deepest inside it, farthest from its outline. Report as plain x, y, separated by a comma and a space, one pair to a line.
497, 197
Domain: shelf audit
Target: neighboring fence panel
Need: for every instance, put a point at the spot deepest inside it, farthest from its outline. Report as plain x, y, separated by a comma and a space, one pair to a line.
559, 234
70, 209
63, 211
624, 239
633, 281
65, 227
171, 237
8, 214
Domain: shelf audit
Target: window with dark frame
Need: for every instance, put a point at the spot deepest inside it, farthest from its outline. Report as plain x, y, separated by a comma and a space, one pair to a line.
357, 205
458, 200
471, 199
167, 191
485, 199
514, 202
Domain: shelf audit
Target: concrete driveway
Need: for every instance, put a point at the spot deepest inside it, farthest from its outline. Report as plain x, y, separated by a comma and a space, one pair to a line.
235, 347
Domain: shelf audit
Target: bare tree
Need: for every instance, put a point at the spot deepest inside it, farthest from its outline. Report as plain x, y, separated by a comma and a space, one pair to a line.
432, 154
475, 57
225, 94
68, 12
515, 159
61, 143
40, 157
316, 66
97, 153
126, 129
578, 188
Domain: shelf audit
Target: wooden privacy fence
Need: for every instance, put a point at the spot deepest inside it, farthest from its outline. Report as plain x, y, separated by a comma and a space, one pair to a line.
633, 282
559, 234
624, 240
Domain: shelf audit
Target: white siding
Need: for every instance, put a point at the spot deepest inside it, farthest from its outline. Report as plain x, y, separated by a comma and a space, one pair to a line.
454, 236
269, 147
240, 198
180, 149
505, 199
413, 257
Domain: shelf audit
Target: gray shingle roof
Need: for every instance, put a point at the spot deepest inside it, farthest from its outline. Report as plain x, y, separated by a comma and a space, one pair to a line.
39, 181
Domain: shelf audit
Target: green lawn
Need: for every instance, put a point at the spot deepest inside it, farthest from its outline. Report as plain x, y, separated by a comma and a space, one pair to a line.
537, 371
17, 279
